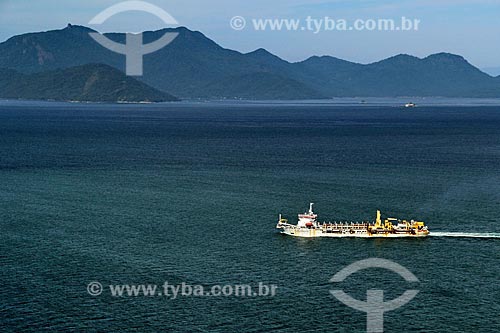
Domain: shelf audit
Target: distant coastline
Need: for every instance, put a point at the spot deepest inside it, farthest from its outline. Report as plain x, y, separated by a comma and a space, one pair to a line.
51, 64
361, 102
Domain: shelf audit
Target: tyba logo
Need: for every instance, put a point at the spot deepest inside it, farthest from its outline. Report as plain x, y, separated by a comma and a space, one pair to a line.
133, 49
374, 305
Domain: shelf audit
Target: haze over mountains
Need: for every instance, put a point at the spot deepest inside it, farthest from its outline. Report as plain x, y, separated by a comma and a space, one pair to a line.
193, 66
493, 71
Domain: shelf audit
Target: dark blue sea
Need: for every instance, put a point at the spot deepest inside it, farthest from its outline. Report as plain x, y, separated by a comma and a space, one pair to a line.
190, 193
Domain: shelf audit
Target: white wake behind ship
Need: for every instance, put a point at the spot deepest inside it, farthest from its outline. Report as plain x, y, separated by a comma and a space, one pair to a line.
308, 226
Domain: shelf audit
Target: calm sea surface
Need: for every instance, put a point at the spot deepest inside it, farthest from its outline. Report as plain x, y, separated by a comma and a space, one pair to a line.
190, 192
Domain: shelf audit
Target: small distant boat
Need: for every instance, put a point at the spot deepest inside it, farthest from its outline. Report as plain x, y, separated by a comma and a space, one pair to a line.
410, 105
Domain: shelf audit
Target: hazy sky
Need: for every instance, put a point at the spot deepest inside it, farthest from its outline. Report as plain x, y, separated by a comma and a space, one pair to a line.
467, 27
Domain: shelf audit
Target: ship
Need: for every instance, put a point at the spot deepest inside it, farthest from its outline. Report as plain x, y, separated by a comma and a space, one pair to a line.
308, 226
410, 105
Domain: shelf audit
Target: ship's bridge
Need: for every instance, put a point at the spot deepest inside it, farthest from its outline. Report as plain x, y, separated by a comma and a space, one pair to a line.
308, 219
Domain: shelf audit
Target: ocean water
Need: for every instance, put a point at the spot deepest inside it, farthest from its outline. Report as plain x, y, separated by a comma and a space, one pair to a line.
191, 192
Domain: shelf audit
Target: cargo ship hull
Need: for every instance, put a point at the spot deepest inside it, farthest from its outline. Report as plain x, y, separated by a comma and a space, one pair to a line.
311, 233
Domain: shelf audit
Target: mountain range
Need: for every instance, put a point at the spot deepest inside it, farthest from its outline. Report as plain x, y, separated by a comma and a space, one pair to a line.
194, 66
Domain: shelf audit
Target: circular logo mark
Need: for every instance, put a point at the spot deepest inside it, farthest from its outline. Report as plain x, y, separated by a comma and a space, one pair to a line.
374, 305
133, 49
